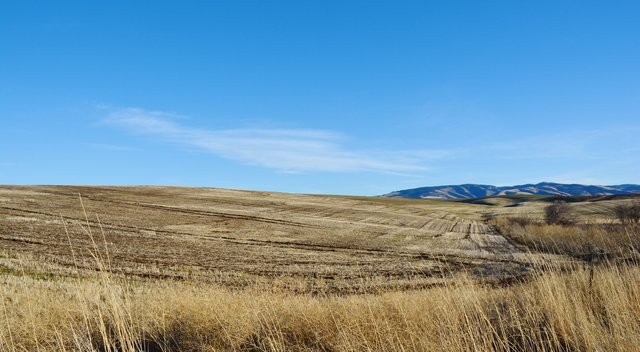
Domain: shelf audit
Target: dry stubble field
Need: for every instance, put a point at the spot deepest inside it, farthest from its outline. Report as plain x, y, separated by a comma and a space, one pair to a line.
174, 268
237, 237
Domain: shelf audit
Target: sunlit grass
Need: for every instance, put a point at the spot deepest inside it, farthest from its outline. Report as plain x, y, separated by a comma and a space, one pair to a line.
587, 306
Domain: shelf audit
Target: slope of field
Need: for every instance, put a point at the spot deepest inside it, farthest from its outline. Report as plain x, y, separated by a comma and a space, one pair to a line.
236, 237
194, 269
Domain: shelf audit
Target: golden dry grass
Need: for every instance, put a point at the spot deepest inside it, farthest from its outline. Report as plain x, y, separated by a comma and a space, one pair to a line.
587, 241
109, 284
576, 311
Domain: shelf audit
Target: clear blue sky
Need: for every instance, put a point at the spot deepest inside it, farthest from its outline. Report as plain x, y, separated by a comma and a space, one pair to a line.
345, 97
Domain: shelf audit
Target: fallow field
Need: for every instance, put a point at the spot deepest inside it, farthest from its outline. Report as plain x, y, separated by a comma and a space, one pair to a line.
202, 269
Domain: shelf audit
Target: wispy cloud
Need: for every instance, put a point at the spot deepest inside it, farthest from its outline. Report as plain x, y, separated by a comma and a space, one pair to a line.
287, 150
111, 147
552, 146
605, 143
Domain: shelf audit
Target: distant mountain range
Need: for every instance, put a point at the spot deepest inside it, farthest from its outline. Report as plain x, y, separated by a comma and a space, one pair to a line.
543, 188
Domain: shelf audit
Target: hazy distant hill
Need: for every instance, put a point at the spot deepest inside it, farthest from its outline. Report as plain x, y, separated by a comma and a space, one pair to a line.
543, 188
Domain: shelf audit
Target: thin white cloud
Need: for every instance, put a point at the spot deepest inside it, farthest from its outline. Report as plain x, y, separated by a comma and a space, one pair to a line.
110, 147
604, 143
287, 150
568, 145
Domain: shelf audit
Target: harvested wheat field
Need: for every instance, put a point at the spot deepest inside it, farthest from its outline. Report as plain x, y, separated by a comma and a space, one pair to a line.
201, 269
233, 237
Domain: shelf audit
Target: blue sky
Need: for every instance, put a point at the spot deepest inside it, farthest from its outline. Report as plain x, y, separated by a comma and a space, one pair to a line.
342, 97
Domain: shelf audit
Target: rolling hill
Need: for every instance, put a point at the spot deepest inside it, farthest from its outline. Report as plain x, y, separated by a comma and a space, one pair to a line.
543, 188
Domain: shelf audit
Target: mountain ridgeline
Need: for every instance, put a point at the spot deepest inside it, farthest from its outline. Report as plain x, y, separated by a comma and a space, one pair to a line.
543, 188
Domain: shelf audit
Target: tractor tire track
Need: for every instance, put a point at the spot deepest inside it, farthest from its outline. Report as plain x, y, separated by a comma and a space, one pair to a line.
443, 258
